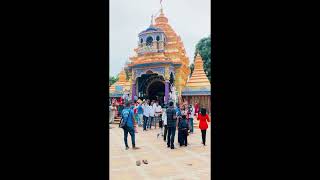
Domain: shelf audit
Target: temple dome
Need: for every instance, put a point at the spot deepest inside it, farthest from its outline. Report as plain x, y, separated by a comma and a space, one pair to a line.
151, 40
152, 28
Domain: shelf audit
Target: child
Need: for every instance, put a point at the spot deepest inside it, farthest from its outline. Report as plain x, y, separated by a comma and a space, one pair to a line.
183, 128
159, 118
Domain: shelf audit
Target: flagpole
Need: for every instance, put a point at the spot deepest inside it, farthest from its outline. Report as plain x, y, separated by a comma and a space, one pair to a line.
161, 9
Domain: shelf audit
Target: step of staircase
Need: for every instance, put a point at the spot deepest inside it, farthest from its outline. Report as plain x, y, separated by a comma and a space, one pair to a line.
116, 121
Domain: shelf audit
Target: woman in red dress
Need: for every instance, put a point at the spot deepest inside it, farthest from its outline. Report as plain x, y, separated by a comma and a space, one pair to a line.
203, 117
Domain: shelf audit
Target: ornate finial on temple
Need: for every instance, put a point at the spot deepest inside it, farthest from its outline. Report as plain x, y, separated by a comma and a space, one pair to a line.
161, 9
151, 20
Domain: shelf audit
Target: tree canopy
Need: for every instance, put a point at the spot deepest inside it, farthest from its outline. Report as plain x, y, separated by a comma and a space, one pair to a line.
113, 79
204, 49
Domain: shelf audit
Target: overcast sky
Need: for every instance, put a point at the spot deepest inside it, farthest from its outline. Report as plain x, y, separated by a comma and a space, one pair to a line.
189, 18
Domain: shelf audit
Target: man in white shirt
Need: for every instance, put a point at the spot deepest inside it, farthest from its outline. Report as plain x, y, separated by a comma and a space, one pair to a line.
164, 119
191, 114
154, 104
151, 114
146, 114
158, 111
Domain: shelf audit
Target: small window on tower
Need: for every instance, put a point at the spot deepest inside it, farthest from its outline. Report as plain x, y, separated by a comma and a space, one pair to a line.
158, 38
141, 40
149, 41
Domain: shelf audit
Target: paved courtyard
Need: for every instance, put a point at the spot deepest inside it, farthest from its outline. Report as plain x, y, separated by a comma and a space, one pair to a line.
182, 163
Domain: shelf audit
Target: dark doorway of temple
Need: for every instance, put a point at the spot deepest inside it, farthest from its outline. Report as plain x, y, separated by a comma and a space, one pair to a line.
151, 86
155, 90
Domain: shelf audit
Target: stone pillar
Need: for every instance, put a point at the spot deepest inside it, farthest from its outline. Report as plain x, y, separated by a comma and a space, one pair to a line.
133, 91
166, 92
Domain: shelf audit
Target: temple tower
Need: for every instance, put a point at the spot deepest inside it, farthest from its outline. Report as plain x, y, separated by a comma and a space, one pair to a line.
160, 62
198, 88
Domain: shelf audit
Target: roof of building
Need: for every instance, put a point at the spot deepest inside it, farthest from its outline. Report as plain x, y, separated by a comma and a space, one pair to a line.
151, 29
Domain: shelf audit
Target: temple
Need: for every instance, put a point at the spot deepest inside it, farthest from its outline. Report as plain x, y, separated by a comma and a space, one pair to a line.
159, 70
121, 87
198, 88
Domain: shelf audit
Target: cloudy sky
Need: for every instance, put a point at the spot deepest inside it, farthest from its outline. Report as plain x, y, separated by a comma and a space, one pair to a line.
189, 18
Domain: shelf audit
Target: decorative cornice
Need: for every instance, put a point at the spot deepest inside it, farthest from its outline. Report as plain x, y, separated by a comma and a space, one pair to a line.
115, 94
155, 63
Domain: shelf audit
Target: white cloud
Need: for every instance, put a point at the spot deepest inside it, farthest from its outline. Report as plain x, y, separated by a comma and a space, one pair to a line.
189, 18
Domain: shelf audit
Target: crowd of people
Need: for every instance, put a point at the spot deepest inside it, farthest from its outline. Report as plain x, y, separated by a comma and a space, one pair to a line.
148, 113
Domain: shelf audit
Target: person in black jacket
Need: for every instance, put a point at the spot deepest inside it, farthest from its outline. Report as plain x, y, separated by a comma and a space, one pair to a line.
171, 125
183, 131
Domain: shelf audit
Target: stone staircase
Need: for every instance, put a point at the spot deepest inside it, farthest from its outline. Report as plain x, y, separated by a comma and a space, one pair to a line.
116, 121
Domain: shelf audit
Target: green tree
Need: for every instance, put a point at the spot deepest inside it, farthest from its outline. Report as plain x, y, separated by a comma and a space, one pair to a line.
113, 79
204, 49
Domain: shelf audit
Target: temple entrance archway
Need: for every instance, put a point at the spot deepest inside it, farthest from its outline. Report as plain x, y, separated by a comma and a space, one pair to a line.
151, 86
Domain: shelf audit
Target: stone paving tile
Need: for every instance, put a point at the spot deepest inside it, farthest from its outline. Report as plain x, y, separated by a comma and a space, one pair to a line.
194, 164
160, 170
164, 163
125, 175
149, 156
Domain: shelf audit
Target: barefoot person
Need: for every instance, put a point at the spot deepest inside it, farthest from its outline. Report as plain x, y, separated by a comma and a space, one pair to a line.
203, 125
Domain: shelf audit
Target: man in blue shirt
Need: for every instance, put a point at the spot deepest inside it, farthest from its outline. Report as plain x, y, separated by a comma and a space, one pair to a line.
128, 117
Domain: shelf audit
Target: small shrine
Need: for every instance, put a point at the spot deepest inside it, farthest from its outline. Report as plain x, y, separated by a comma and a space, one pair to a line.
198, 88
121, 87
